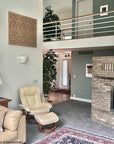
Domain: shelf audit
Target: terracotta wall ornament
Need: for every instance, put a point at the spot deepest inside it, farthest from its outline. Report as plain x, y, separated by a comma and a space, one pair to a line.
22, 30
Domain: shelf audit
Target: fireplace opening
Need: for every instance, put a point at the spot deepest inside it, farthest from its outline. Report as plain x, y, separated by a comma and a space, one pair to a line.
112, 98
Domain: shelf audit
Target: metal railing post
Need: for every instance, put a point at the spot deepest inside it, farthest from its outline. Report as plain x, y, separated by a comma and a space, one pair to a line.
73, 21
56, 31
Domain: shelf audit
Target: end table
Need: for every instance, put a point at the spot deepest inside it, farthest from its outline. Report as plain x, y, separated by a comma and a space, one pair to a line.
4, 101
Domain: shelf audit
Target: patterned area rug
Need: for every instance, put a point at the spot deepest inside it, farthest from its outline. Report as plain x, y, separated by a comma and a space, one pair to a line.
71, 136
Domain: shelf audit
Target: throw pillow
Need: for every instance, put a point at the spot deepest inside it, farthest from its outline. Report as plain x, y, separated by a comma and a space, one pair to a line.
12, 119
2, 114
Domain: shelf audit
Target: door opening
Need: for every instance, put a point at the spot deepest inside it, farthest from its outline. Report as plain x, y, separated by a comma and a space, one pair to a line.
63, 78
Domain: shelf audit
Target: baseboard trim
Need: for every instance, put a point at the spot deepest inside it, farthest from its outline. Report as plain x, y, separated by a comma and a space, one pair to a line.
80, 99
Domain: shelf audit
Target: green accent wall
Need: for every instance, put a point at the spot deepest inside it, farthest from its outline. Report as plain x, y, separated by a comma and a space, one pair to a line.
81, 86
96, 9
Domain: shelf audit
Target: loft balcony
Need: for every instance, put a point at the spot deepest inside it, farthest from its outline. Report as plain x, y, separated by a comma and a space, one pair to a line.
91, 31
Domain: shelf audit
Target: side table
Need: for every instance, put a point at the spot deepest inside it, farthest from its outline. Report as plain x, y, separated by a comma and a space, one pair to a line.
4, 101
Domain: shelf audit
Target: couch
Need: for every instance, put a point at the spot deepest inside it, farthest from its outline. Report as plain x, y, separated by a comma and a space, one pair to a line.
14, 127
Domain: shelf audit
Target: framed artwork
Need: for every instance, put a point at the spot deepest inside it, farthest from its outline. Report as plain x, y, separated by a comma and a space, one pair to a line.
103, 8
22, 30
89, 70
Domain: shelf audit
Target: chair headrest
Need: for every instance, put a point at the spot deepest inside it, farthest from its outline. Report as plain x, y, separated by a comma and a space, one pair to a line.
30, 91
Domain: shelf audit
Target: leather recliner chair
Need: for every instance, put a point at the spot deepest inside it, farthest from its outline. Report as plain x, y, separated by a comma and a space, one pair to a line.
31, 102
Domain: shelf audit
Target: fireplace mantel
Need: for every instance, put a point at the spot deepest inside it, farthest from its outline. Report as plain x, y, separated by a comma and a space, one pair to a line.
106, 77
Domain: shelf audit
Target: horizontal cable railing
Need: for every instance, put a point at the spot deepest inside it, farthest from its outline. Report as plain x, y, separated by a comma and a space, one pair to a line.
92, 25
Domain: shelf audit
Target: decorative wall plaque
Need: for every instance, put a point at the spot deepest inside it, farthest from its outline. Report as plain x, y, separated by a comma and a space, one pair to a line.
22, 30
89, 70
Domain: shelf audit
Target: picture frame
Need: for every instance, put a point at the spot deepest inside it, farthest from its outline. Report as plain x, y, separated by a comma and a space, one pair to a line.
22, 30
104, 9
89, 70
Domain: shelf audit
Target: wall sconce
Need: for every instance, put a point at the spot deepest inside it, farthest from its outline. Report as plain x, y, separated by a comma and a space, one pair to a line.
23, 59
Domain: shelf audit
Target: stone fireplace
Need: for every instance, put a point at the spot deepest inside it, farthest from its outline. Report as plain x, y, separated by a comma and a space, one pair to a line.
103, 90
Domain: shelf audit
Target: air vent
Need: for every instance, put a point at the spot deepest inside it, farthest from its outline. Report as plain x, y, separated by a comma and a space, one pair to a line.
85, 52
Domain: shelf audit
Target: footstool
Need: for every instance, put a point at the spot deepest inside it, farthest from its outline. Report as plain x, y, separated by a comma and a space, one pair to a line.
46, 119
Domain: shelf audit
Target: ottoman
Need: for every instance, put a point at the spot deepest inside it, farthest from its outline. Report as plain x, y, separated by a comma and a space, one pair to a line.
46, 119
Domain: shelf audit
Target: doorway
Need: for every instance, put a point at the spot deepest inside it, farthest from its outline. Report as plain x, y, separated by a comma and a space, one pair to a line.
62, 91
84, 24
66, 73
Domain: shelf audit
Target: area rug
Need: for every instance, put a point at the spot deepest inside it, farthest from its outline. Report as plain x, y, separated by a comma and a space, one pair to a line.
71, 136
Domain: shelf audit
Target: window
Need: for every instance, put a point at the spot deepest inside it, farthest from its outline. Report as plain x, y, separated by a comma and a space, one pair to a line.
104, 8
65, 73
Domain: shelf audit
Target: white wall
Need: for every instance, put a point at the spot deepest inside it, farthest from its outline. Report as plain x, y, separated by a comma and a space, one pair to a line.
86, 43
14, 74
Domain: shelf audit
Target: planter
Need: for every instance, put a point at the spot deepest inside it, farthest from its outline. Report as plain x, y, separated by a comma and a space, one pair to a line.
46, 98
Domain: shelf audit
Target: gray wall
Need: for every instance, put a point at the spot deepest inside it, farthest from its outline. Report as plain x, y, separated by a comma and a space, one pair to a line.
96, 9
98, 3
14, 74
81, 85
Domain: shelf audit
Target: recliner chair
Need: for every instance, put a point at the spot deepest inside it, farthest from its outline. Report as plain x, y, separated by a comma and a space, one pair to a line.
31, 102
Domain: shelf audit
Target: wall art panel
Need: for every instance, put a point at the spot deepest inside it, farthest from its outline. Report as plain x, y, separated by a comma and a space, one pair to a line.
22, 30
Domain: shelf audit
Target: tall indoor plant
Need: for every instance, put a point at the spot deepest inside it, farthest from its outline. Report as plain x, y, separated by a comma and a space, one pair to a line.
51, 30
49, 71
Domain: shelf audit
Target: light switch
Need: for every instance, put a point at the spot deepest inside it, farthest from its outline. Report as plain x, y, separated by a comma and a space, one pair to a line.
35, 81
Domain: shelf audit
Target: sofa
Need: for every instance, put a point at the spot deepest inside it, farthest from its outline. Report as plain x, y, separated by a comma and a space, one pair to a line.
13, 129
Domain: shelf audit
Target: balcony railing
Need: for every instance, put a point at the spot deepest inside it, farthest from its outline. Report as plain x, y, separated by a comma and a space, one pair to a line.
92, 25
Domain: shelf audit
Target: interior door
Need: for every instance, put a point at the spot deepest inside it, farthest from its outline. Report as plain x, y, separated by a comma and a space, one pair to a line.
84, 24
66, 73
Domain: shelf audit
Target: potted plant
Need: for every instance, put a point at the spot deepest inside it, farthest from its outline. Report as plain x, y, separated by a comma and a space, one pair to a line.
51, 30
49, 72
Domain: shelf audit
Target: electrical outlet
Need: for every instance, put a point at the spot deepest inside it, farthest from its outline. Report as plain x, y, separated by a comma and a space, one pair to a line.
35, 82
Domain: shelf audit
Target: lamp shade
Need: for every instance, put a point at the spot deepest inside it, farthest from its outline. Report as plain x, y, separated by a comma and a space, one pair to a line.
1, 82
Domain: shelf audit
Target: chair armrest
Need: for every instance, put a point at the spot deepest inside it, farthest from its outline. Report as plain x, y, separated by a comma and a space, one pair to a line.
22, 130
25, 107
48, 104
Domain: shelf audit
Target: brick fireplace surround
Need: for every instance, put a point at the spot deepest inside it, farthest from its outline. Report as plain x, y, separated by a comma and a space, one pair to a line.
103, 91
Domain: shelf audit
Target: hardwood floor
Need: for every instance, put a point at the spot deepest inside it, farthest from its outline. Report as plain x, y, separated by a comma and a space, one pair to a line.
59, 97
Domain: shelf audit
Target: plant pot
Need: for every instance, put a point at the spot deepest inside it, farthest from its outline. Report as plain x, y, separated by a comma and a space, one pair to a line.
46, 98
